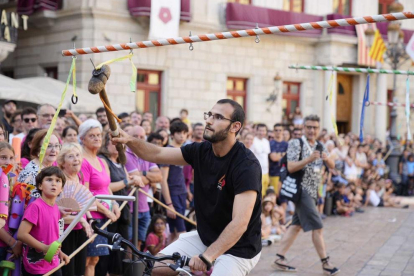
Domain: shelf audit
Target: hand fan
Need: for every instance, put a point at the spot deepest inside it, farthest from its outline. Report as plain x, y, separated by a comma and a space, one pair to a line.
75, 196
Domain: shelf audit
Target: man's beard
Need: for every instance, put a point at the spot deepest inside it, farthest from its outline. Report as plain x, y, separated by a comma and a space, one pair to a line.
8, 114
217, 137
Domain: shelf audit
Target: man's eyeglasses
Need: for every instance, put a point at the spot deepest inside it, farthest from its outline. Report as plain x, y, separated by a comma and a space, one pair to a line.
216, 117
56, 147
27, 120
312, 127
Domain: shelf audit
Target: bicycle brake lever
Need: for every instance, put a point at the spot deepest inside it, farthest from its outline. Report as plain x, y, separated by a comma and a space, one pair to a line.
110, 247
183, 270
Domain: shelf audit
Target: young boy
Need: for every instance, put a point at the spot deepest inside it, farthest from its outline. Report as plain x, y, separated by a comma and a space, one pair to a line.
173, 187
40, 225
343, 204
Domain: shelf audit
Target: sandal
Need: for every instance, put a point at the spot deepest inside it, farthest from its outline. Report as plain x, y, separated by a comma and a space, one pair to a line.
282, 267
329, 271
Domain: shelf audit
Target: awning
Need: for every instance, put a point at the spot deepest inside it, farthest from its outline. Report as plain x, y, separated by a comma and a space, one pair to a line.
48, 90
28, 7
143, 8
18, 91
239, 16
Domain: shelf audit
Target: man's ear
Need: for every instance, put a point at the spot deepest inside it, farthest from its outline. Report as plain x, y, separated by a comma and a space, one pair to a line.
236, 127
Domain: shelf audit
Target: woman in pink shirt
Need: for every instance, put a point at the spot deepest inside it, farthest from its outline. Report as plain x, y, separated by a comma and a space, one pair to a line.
97, 179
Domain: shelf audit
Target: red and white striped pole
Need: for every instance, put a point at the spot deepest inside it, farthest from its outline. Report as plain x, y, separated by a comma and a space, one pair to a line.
241, 33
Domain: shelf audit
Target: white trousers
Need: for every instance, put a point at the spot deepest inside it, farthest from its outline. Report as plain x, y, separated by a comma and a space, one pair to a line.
190, 244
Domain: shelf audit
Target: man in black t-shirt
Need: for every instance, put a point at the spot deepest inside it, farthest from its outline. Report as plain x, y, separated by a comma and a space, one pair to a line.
227, 194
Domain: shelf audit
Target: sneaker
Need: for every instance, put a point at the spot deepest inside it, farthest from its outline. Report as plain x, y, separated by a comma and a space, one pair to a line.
323, 216
359, 210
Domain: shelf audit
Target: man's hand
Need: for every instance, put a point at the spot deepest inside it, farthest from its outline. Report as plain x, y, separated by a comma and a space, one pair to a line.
324, 156
136, 180
314, 156
171, 214
196, 264
123, 138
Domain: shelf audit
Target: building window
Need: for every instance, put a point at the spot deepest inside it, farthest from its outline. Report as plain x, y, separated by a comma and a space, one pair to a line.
244, 2
343, 7
383, 6
148, 94
51, 72
294, 5
236, 90
291, 96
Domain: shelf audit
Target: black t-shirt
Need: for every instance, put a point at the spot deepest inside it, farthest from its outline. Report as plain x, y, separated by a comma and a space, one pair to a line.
337, 197
217, 180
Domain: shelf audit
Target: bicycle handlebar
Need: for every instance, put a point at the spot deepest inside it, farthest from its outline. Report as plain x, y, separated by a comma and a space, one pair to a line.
180, 261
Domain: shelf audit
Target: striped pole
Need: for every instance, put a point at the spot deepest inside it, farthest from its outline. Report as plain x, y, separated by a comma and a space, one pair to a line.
390, 104
241, 33
350, 70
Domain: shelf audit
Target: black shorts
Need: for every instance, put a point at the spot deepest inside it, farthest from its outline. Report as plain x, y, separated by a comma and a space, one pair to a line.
381, 203
72, 242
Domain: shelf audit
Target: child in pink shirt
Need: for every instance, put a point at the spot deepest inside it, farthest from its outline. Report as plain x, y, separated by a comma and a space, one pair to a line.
40, 225
156, 238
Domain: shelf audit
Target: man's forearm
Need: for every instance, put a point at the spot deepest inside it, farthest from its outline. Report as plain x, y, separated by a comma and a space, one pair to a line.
143, 150
229, 237
297, 166
154, 176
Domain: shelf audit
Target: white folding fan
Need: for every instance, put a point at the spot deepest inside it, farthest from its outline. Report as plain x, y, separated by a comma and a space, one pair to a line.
75, 196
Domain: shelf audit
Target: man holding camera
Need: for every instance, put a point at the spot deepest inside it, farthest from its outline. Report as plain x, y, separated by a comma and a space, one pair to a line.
306, 215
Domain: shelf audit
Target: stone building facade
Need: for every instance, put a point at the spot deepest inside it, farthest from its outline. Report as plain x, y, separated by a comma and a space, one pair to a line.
173, 77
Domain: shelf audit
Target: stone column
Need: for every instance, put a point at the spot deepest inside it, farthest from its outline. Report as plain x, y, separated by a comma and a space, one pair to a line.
327, 108
380, 121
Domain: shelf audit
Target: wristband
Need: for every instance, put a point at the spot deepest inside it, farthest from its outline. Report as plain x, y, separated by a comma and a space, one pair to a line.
144, 173
207, 262
126, 182
168, 204
14, 245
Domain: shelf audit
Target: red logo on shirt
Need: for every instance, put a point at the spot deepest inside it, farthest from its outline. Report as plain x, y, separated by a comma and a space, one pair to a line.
221, 183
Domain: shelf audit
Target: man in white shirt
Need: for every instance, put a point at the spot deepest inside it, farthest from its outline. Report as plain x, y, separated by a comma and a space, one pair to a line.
261, 149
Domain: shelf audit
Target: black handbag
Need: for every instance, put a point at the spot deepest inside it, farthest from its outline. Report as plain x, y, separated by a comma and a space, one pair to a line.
291, 182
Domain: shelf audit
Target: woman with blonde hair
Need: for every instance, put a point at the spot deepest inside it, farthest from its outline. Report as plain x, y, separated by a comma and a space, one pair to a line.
70, 161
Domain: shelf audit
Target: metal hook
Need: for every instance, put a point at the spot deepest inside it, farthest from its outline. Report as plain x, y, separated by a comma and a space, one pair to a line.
191, 47
257, 39
130, 41
94, 67
74, 48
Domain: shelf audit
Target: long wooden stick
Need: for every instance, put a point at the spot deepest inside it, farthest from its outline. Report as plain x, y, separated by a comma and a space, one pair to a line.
166, 207
90, 239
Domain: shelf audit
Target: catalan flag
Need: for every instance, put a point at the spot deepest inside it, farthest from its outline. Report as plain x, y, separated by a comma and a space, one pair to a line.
378, 48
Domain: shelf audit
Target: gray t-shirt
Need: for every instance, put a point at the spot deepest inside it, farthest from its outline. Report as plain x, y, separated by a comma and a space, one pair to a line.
312, 176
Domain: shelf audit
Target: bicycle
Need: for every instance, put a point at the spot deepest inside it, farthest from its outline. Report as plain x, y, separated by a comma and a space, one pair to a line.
146, 258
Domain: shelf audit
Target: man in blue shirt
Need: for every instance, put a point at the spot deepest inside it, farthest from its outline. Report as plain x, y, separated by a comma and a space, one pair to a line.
278, 148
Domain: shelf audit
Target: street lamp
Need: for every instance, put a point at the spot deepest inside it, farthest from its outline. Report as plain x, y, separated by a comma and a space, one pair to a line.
395, 56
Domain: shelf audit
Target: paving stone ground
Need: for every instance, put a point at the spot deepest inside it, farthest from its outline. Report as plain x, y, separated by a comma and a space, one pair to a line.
377, 242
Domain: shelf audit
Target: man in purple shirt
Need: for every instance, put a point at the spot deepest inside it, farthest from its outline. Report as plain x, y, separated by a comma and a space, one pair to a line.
150, 173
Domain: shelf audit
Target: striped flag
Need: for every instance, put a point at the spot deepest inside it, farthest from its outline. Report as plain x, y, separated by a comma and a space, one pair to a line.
363, 51
378, 48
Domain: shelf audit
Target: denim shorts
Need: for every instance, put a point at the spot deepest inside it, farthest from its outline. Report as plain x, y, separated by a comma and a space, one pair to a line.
144, 219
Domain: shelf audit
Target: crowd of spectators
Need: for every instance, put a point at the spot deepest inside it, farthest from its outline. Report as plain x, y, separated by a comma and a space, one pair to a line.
80, 146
